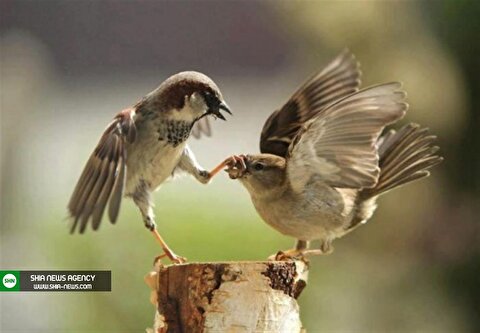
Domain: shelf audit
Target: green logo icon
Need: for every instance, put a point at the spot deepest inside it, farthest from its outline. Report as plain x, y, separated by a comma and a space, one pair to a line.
10, 281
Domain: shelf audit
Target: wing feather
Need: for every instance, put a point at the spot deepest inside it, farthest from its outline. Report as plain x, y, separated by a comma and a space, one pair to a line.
103, 177
117, 193
339, 145
104, 195
338, 79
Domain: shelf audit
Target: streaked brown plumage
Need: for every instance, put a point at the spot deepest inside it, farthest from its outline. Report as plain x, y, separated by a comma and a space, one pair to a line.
142, 147
338, 79
323, 163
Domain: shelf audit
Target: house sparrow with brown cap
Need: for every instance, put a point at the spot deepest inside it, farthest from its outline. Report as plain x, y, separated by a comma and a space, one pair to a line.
323, 161
144, 146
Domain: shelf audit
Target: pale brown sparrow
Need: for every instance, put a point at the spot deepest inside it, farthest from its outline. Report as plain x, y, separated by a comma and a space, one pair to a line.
144, 146
323, 163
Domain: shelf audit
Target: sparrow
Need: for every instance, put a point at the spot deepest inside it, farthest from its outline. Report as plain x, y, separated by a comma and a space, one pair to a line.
144, 146
323, 161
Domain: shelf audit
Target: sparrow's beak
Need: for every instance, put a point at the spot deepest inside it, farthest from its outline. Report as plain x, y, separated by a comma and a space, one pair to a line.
216, 110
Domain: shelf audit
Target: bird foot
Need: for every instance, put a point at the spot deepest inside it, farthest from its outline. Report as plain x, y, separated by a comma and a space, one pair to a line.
236, 166
176, 259
228, 163
294, 254
166, 249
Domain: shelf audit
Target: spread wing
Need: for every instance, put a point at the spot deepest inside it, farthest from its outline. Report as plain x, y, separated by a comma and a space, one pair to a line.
103, 178
202, 126
340, 78
339, 146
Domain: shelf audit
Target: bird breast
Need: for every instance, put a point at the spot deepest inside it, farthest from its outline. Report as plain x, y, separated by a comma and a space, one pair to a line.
174, 132
316, 213
156, 152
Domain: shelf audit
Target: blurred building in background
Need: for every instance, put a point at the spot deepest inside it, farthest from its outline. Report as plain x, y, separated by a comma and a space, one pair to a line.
68, 67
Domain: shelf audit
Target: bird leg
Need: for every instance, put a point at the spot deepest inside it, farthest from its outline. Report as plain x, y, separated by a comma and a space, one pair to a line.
142, 199
176, 259
230, 163
189, 164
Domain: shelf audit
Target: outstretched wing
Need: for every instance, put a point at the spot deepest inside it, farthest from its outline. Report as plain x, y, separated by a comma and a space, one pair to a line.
103, 178
339, 146
340, 78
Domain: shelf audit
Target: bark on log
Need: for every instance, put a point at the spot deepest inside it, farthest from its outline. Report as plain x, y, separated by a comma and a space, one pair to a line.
228, 297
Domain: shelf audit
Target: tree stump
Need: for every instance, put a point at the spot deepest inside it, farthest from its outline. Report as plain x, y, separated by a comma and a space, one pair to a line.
228, 296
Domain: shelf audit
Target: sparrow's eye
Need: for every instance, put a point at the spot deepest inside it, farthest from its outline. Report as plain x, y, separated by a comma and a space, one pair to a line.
258, 166
210, 99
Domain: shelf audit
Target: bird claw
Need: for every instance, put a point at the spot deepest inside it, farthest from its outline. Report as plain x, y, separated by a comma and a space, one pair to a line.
176, 259
294, 254
236, 166
288, 255
158, 259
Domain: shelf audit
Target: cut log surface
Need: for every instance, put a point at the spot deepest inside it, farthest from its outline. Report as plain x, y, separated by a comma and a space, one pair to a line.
229, 297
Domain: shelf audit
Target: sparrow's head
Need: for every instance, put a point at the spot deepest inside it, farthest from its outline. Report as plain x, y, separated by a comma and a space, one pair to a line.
189, 96
261, 174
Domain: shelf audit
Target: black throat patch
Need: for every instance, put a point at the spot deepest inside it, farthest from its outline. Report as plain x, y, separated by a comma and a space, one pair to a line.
174, 132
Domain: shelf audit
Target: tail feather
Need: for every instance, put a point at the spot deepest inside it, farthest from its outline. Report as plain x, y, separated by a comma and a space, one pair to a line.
405, 156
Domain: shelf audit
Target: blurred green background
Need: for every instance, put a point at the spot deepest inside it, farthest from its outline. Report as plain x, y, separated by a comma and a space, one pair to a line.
68, 67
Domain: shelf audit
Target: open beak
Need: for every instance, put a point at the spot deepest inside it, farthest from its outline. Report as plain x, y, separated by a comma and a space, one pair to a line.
222, 106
